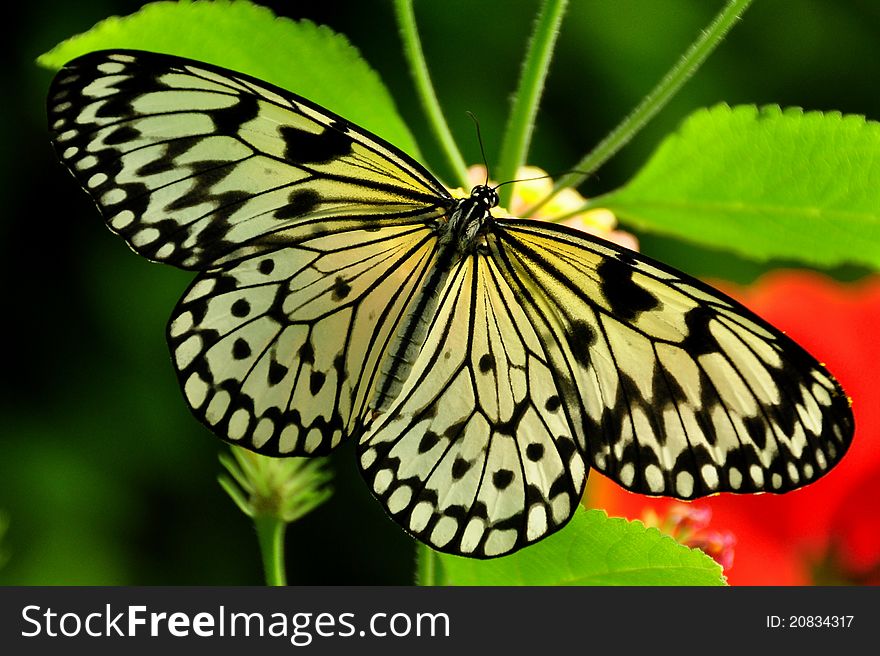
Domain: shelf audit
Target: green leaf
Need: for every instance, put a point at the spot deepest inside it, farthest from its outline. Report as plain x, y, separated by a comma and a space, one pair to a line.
764, 183
592, 550
300, 56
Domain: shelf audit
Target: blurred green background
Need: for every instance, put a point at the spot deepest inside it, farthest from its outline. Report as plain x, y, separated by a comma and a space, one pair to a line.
105, 477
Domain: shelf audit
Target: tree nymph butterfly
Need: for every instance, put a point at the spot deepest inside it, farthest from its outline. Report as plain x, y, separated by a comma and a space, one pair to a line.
483, 364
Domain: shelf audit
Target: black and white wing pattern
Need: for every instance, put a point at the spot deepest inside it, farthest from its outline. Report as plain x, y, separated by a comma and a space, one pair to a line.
312, 235
484, 365
552, 352
674, 388
281, 352
477, 455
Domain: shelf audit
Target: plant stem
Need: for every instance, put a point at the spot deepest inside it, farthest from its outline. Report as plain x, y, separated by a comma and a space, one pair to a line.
521, 122
412, 49
654, 101
270, 533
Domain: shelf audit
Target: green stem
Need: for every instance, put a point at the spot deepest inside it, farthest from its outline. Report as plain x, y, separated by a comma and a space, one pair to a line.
270, 534
654, 101
521, 122
412, 49
426, 566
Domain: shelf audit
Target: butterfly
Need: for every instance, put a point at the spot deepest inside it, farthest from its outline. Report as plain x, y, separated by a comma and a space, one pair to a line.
483, 364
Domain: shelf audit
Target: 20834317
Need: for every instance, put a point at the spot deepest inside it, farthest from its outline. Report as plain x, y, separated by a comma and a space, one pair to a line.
809, 621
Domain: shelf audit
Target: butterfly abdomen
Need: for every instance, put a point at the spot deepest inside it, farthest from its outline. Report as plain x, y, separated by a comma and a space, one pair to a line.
410, 337
456, 239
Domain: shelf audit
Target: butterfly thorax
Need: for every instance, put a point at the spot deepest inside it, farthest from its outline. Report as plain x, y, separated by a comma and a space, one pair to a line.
467, 219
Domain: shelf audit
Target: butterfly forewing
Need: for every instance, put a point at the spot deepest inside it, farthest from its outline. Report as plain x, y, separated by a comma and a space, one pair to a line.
682, 391
195, 166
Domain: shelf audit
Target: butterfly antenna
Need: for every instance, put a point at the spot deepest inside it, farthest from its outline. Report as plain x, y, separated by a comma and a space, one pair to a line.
480, 141
539, 177
507, 182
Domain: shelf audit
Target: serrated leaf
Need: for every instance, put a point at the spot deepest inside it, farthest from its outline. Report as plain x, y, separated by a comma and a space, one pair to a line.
305, 58
765, 183
593, 549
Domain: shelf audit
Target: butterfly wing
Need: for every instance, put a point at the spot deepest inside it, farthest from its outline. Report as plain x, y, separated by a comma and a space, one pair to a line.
552, 351
476, 455
674, 388
312, 235
281, 353
195, 166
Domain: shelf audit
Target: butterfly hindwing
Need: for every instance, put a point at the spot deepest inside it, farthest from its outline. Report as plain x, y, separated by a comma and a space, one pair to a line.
476, 454
281, 353
681, 390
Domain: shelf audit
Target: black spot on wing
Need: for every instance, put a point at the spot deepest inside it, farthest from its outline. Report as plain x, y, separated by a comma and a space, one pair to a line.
316, 382
429, 439
502, 478
229, 120
299, 203
307, 353
455, 430
699, 339
277, 372
304, 147
240, 308
757, 430
460, 467
565, 447
240, 349
341, 289
119, 104
535, 451
626, 298
580, 337
122, 134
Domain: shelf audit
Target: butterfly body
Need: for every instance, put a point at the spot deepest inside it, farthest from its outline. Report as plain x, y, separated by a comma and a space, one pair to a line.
483, 364
468, 220
456, 238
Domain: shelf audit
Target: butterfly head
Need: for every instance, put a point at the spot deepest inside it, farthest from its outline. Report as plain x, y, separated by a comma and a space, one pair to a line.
485, 195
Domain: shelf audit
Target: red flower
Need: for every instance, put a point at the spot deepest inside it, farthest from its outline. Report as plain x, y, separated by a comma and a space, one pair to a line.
827, 532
